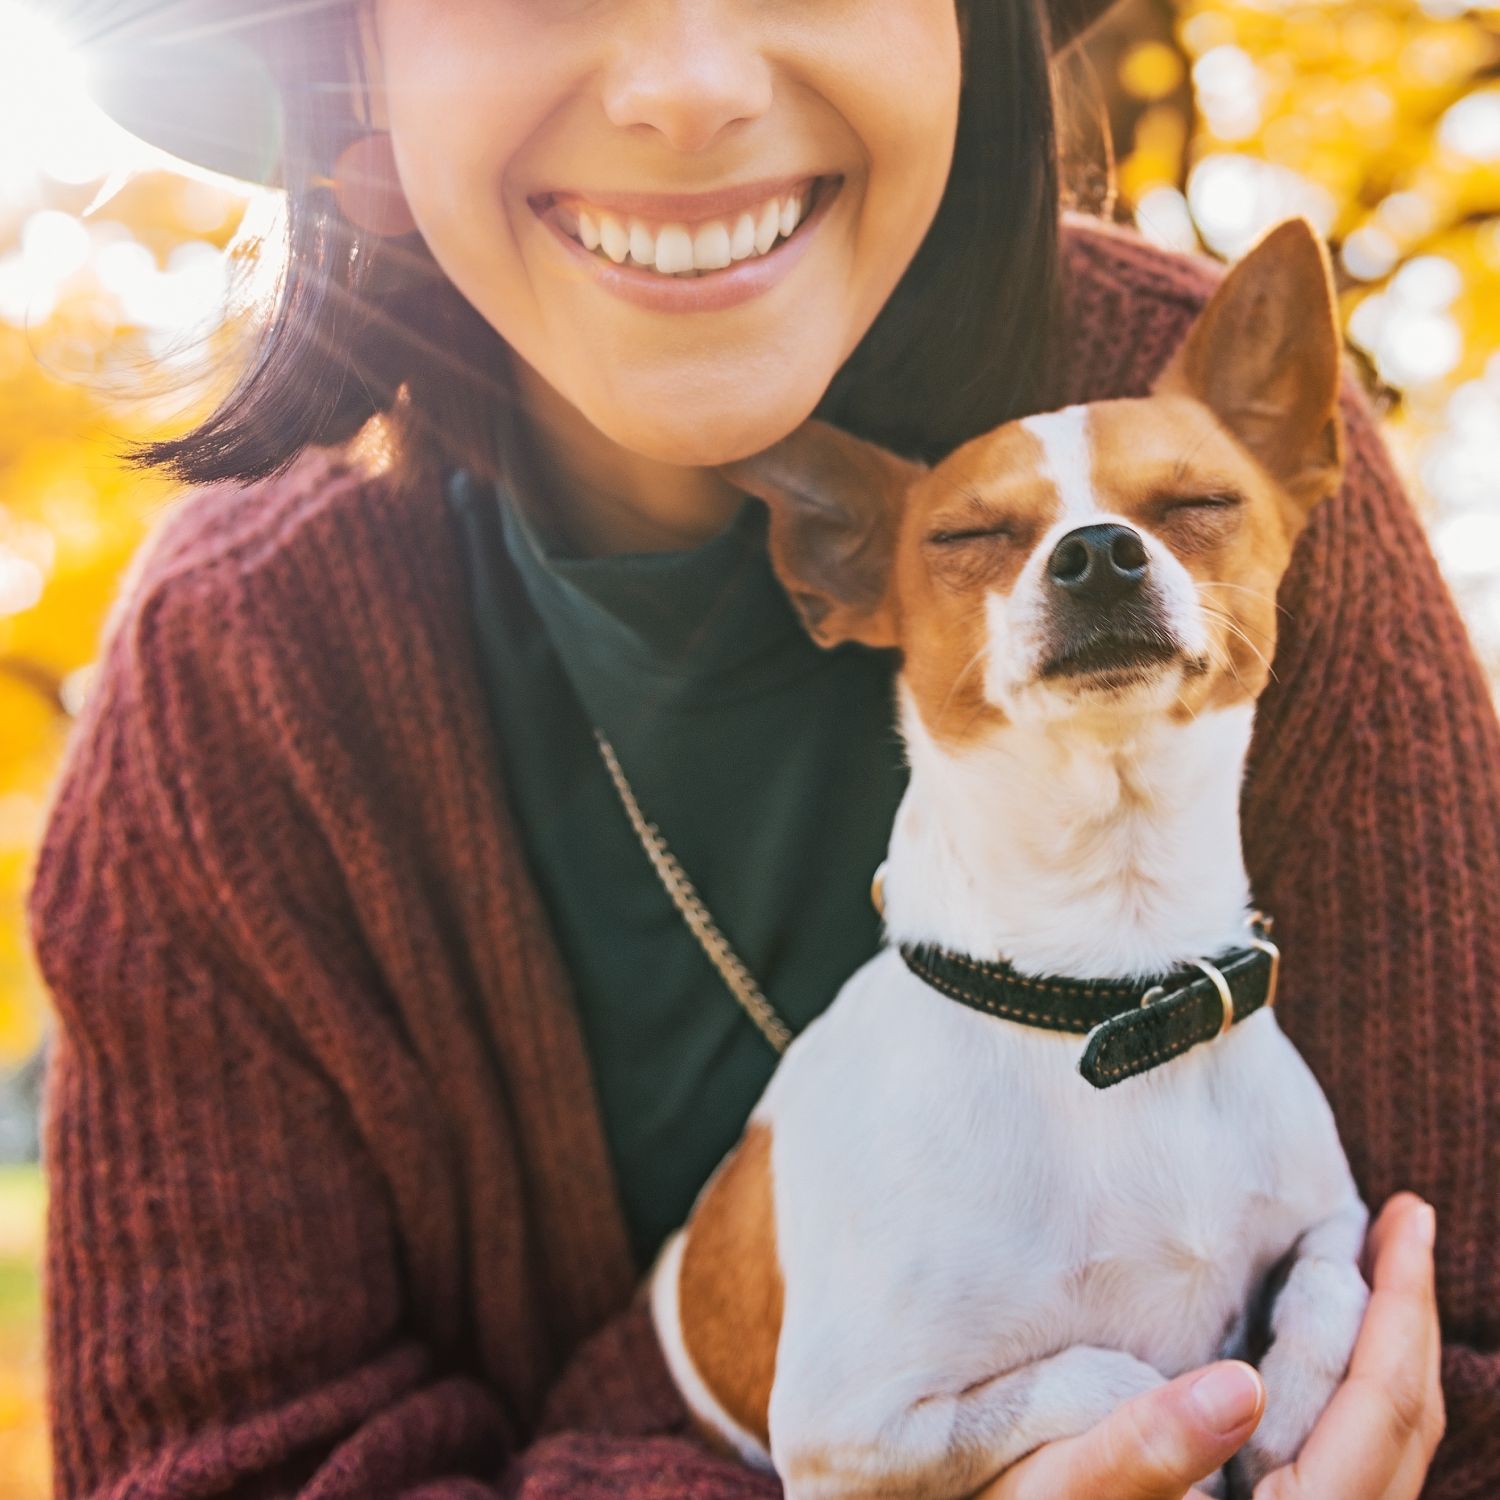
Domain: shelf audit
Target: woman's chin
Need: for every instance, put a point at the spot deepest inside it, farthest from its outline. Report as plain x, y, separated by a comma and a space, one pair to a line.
706, 436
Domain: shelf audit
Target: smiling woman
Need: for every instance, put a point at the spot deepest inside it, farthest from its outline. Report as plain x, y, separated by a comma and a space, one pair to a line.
485, 116
686, 99
385, 1062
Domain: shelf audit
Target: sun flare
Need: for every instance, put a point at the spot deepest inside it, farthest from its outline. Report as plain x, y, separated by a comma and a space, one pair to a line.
49, 125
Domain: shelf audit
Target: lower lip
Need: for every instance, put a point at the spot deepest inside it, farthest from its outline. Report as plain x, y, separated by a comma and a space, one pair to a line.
1105, 673
726, 288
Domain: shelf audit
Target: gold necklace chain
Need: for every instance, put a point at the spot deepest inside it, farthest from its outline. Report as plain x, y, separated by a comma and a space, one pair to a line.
690, 905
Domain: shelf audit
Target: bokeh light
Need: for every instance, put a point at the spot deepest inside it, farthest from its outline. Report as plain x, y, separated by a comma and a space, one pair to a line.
46, 119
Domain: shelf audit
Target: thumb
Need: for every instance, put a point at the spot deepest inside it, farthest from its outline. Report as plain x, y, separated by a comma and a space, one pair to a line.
1156, 1446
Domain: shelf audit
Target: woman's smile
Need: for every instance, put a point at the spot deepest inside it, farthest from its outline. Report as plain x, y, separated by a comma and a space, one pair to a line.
677, 235
539, 147
672, 265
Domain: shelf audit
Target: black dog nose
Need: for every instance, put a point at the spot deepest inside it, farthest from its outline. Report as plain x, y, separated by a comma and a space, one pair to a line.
1098, 563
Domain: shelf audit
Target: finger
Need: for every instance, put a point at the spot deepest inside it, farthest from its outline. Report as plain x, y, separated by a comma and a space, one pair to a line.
1386, 1225
1154, 1447
1411, 1216
1360, 1443
1403, 1251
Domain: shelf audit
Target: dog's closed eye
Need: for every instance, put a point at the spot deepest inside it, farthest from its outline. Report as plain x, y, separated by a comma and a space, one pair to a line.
991, 531
1197, 522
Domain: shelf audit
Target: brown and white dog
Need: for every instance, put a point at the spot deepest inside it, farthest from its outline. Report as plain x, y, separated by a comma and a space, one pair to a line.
936, 1247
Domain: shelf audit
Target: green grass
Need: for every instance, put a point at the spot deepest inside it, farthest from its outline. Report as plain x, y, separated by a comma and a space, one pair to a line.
23, 1447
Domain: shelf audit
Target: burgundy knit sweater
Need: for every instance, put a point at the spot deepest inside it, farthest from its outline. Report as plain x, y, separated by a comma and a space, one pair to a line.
331, 1207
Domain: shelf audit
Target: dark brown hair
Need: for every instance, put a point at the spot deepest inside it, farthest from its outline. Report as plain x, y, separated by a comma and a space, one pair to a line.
364, 325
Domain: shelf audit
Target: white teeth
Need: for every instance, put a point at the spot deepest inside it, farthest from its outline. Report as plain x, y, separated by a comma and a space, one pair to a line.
613, 237
742, 242
676, 250
768, 226
711, 248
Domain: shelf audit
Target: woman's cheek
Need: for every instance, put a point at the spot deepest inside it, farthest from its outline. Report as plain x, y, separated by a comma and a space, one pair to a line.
468, 90
895, 78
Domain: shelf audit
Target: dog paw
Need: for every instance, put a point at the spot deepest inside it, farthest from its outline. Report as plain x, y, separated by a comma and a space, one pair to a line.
1293, 1405
1315, 1323
1292, 1408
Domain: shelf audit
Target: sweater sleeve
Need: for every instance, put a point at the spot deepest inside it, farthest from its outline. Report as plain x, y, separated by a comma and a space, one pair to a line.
1372, 833
228, 1309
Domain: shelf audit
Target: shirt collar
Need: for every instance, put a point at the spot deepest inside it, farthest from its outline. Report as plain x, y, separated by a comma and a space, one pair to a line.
711, 617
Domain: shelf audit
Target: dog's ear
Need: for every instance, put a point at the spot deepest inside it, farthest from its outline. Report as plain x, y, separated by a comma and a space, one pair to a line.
835, 503
1264, 356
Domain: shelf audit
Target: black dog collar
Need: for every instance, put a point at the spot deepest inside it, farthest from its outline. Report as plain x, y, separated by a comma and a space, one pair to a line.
1131, 1027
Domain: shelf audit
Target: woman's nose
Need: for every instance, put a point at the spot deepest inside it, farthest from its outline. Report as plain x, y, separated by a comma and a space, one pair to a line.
687, 69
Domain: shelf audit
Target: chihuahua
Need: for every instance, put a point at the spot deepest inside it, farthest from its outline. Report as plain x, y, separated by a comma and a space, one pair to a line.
1050, 1147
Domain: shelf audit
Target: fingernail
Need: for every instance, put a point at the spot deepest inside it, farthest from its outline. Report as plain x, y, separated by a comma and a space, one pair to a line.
1426, 1225
1226, 1396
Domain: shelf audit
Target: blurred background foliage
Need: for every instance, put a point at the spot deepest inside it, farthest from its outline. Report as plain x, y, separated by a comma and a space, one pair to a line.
126, 284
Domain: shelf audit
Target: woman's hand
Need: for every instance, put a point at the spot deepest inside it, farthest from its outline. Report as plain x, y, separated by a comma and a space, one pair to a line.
1374, 1441
1377, 1435
1155, 1447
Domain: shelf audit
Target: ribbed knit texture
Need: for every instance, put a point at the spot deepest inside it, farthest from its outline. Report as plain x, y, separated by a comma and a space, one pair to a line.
331, 1209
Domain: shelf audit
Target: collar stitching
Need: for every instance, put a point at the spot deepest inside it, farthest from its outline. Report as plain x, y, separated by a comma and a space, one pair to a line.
1140, 1064
1052, 987
984, 1002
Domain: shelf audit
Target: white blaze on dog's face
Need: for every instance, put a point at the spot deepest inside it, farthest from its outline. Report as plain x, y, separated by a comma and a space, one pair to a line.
1121, 557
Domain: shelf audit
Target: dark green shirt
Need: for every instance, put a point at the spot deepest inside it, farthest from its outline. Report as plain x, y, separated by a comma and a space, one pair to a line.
771, 766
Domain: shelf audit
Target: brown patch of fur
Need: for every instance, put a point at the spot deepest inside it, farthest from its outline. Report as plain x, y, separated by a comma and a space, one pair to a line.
1264, 356
730, 1287
992, 500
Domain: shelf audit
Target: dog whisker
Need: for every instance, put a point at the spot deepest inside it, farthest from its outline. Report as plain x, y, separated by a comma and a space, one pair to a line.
1234, 628
1215, 583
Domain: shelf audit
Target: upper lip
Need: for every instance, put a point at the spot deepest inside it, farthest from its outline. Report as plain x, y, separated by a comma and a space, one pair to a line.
689, 207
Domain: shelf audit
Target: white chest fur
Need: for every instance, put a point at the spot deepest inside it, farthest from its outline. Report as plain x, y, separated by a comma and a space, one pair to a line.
954, 1200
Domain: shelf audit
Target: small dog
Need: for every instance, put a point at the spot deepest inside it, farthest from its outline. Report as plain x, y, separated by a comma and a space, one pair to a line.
936, 1246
